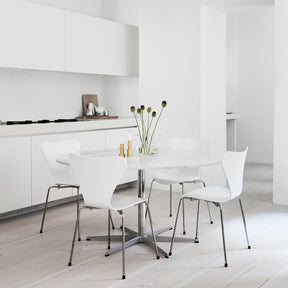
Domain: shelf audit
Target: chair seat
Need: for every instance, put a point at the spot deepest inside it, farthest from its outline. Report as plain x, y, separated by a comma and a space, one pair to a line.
66, 181
121, 202
171, 178
217, 194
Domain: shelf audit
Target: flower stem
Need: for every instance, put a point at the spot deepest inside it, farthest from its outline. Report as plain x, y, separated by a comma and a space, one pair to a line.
138, 126
155, 128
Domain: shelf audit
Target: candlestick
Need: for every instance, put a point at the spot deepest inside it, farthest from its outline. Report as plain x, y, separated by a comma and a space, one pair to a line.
122, 150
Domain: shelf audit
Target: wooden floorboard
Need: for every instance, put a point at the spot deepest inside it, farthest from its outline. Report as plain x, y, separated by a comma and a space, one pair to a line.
30, 259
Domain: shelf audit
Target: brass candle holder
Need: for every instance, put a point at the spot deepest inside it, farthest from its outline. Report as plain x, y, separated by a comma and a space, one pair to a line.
122, 154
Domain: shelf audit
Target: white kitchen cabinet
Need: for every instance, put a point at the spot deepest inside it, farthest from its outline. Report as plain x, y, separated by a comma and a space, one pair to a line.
15, 171
42, 178
31, 36
99, 46
113, 138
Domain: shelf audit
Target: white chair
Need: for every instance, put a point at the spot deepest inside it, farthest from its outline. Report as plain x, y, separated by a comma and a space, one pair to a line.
62, 174
233, 165
185, 174
98, 178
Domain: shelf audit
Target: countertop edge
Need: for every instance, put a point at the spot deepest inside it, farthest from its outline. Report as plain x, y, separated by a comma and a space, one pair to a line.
56, 128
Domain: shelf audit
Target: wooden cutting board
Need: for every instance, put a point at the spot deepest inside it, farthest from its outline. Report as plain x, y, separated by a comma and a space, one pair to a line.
88, 98
97, 117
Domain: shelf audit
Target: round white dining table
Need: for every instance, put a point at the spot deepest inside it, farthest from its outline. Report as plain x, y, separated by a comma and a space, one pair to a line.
172, 159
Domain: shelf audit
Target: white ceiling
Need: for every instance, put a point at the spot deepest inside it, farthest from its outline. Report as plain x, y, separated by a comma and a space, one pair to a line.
239, 5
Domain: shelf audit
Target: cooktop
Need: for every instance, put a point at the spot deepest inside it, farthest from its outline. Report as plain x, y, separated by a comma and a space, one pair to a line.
42, 121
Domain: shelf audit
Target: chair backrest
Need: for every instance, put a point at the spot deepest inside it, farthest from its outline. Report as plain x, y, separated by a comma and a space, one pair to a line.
193, 145
52, 150
98, 177
197, 146
233, 165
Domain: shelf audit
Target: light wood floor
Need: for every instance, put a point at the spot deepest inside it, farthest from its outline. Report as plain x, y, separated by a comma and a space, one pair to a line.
28, 259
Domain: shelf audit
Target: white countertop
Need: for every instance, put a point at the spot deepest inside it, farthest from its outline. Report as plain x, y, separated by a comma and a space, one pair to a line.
53, 128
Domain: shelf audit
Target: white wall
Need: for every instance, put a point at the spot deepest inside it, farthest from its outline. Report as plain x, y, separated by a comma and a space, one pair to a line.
213, 87
280, 189
213, 77
170, 63
250, 82
26, 94
39, 94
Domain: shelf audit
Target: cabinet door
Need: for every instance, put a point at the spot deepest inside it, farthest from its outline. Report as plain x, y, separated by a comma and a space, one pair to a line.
99, 46
113, 138
15, 171
42, 177
32, 36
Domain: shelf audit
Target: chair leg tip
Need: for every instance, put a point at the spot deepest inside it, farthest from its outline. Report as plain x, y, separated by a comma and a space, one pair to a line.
106, 255
196, 240
166, 256
79, 239
123, 277
170, 215
158, 257
69, 264
41, 231
226, 265
184, 232
211, 222
249, 247
170, 253
109, 247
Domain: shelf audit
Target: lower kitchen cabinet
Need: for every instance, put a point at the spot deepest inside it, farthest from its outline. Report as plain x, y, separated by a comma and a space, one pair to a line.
42, 177
15, 171
25, 174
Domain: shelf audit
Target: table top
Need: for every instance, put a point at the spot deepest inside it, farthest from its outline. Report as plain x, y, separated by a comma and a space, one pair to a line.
172, 159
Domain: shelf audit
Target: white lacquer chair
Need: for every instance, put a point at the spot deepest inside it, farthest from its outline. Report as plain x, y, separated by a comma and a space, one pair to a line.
233, 165
183, 175
98, 178
62, 174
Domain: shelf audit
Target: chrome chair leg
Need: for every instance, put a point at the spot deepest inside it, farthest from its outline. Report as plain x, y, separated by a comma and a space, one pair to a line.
152, 231
183, 210
208, 207
244, 221
78, 214
111, 220
109, 228
170, 200
223, 236
175, 225
73, 241
197, 222
123, 245
148, 200
45, 208
150, 190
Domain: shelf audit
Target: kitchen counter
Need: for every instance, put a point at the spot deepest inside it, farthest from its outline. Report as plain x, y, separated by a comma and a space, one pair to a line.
54, 128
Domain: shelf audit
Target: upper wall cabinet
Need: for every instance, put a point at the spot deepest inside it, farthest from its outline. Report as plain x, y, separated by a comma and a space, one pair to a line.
99, 46
31, 36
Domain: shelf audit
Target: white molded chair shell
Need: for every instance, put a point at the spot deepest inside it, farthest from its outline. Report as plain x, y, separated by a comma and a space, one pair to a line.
62, 174
233, 164
194, 145
98, 178
180, 175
